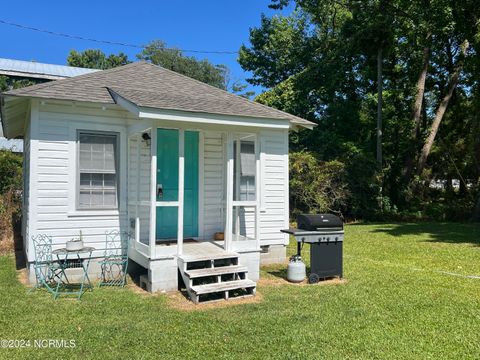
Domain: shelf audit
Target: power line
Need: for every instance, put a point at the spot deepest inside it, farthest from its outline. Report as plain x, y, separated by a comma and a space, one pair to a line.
76, 37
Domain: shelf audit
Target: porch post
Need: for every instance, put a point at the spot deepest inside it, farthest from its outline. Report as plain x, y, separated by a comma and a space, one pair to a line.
229, 192
258, 195
181, 181
153, 192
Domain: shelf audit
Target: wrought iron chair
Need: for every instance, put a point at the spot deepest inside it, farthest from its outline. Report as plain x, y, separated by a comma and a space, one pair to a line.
47, 271
115, 263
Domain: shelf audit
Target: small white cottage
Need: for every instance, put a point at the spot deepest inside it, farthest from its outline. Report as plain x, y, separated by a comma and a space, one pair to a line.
175, 162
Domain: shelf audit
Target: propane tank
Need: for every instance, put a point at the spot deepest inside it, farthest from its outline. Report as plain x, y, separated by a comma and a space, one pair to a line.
296, 270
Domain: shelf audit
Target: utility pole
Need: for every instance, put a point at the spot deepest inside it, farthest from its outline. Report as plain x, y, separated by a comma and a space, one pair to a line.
379, 106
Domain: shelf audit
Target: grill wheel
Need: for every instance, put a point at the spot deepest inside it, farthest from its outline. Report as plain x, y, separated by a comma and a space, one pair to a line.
313, 278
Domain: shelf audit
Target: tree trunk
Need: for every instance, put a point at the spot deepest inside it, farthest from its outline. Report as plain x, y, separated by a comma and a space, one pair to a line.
441, 110
417, 107
417, 111
379, 105
476, 210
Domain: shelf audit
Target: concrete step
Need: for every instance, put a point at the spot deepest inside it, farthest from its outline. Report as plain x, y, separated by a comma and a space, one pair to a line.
223, 286
216, 271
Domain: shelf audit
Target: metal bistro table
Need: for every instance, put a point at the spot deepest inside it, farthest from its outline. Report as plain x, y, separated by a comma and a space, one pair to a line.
73, 259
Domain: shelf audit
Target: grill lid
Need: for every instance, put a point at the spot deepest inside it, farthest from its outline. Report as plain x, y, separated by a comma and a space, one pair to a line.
319, 222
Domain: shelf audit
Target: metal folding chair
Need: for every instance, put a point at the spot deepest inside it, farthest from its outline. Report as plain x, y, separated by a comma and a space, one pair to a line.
115, 262
47, 271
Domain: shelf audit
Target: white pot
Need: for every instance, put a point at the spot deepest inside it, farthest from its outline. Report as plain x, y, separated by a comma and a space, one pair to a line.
74, 245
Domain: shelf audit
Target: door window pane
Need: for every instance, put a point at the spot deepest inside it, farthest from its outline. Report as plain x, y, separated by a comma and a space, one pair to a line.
245, 169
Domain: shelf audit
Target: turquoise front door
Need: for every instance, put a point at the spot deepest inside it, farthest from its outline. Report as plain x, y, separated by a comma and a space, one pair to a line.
167, 184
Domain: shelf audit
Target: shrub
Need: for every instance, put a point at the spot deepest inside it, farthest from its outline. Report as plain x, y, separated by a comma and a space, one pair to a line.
10, 196
9, 211
10, 171
316, 186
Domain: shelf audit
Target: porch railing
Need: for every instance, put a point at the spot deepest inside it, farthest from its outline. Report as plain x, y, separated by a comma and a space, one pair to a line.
245, 226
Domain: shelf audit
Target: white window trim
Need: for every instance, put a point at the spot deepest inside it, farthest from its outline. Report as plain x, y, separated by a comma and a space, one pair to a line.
79, 211
238, 136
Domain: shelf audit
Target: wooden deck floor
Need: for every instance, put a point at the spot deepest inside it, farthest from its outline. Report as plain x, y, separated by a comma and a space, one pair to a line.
203, 248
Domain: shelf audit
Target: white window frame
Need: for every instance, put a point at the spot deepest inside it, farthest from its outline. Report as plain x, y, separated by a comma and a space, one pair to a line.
230, 242
117, 172
236, 173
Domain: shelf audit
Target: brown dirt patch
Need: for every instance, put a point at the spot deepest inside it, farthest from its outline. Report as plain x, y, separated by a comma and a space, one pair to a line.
139, 291
6, 245
22, 277
278, 281
176, 300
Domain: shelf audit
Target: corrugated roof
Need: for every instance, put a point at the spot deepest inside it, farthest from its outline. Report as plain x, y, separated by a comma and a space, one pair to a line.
40, 70
148, 85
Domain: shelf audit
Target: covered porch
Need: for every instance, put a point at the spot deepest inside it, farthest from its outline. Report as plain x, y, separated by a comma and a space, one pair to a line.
189, 184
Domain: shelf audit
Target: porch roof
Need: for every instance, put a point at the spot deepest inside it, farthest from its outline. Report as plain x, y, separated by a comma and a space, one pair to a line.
147, 85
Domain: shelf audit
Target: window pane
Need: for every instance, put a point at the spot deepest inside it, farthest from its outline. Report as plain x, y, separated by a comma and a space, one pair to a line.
96, 199
109, 198
97, 181
97, 144
109, 181
84, 198
85, 180
245, 168
247, 158
109, 161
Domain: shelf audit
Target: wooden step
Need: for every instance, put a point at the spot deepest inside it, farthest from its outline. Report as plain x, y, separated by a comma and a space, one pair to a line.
219, 256
222, 270
223, 286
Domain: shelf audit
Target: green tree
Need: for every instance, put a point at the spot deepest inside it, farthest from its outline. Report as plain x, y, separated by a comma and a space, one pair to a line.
96, 59
11, 82
173, 59
394, 73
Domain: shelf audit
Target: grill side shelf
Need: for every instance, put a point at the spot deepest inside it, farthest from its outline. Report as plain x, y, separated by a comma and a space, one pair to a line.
315, 236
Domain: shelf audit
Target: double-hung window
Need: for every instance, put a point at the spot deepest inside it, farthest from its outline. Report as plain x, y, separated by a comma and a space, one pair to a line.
97, 170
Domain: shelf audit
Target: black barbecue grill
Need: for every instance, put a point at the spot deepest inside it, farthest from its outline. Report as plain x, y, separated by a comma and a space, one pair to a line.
324, 233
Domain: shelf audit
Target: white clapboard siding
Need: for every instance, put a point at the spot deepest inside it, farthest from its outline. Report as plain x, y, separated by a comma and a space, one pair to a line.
274, 187
54, 178
213, 180
246, 222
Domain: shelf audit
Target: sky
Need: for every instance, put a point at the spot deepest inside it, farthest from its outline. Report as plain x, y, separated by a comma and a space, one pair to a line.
187, 24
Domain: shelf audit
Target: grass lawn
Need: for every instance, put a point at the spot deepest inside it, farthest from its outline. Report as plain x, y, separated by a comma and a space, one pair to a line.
407, 296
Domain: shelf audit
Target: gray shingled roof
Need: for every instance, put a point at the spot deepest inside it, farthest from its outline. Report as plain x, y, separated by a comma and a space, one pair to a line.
148, 85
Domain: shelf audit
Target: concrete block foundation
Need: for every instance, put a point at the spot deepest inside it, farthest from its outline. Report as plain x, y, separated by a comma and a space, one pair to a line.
273, 254
163, 275
252, 261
